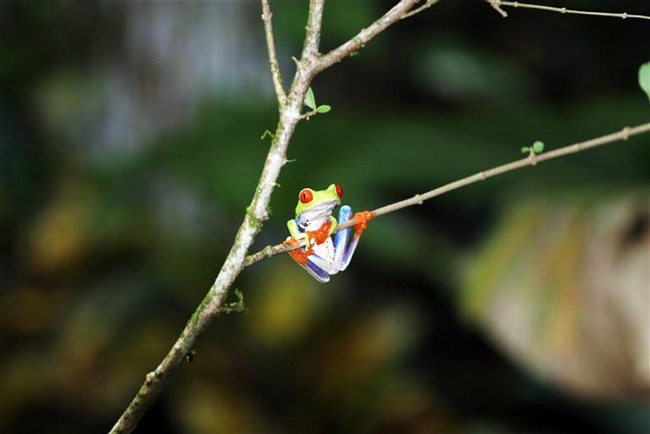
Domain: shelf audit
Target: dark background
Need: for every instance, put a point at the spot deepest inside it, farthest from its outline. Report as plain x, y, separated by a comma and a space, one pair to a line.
129, 150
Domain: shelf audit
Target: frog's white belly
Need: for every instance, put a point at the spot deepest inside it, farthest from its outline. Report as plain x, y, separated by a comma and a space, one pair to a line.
325, 250
324, 255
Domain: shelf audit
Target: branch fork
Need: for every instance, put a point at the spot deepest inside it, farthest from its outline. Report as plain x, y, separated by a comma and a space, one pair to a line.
289, 106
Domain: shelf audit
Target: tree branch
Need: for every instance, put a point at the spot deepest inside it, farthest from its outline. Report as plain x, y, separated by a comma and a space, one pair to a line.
276, 74
418, 199
312, 37
496, 4
399, 11
257, 212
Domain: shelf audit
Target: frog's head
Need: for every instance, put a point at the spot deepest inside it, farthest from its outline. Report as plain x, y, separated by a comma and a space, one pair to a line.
316, 204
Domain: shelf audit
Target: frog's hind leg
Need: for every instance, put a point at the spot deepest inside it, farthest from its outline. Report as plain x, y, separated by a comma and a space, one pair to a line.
305, 258
343, 250
316, 272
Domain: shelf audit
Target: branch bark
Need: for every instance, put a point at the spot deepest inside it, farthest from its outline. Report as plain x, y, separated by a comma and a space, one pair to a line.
314, 22
418, 199
276, 74
310, 64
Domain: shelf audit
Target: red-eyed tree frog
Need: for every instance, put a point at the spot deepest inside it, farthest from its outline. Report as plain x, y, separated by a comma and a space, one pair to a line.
314, 225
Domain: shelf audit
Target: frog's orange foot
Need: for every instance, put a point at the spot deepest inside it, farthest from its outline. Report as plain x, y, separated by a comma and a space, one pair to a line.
299, 255
362, 219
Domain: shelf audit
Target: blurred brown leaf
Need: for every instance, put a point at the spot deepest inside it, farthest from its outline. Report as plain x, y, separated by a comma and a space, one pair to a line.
563, 287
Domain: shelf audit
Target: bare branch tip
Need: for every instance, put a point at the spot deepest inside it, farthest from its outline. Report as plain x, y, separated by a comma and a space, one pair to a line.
496, 5
416, 11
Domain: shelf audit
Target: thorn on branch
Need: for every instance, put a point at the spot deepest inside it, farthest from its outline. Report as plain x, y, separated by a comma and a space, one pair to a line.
357, 51
189, 357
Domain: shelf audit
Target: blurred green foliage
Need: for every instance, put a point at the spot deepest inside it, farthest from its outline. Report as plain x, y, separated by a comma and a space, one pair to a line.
644, 78
104, 260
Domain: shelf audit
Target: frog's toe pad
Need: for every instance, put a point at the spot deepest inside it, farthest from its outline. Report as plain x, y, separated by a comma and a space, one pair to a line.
362, 219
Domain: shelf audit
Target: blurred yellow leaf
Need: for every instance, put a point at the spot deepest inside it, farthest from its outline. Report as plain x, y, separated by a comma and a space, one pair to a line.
285, 305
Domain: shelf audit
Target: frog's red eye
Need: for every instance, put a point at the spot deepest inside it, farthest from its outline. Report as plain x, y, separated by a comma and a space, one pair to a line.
306, 195
339, 190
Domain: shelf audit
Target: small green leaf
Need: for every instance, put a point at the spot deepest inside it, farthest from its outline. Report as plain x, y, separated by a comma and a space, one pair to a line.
525, 150
323, 109
644, 78
538, 147
310, 99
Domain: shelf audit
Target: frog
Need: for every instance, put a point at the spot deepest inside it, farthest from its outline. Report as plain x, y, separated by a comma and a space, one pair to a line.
311, 231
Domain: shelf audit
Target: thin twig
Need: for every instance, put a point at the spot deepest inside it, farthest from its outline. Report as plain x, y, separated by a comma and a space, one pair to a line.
308, 114
623, 15
276, 74
623, 134
416, 11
